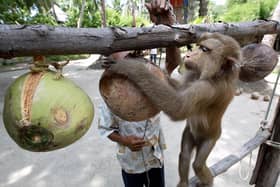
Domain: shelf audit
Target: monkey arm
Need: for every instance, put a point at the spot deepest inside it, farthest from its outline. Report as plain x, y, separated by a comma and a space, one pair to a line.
176, 104
174, 83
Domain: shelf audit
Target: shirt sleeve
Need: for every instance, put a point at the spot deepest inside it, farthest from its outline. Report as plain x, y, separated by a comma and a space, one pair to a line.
106, 122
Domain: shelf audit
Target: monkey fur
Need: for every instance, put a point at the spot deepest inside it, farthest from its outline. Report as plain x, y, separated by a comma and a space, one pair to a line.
202, 97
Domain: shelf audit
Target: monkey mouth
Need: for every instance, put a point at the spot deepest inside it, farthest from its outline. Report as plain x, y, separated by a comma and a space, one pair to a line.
190, 65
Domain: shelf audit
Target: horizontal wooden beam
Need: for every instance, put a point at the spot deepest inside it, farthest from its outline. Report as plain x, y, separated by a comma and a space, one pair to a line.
23, 40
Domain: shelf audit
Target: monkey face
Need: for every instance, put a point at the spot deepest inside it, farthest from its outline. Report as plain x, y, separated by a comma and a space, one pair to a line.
200, 59
191, 62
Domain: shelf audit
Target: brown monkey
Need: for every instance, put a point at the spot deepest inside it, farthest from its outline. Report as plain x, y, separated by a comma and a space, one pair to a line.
201, 98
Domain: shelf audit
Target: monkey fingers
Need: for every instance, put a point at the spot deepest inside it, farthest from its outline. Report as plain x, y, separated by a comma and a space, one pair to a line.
106, 63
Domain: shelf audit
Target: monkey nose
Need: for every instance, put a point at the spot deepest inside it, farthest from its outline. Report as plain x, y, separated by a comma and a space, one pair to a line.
186, 57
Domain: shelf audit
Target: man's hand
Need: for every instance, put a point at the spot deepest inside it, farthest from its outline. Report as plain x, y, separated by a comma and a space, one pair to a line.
134, 143
161, 12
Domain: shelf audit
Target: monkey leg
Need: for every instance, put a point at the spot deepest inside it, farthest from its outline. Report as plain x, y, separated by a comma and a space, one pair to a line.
199, 165
187, 145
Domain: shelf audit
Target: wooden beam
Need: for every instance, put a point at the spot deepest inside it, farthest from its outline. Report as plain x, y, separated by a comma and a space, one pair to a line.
23, 40
224, 164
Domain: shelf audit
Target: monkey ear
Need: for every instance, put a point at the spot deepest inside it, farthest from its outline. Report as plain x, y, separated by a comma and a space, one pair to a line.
232, 60
230, 63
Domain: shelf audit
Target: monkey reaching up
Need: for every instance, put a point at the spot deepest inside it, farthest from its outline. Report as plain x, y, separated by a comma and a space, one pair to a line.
201, 98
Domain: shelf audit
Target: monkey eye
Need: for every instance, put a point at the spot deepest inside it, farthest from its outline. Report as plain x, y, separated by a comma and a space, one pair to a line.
204, 49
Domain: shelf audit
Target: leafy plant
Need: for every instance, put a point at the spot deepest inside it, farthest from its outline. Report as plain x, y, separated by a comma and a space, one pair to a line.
244, 10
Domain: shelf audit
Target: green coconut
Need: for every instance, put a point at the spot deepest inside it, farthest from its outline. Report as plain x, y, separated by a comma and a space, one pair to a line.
43, 113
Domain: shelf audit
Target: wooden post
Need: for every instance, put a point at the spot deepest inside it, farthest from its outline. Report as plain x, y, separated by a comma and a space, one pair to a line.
267, 167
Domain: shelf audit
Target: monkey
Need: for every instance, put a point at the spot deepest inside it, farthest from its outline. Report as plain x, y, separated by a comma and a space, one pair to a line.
201, 98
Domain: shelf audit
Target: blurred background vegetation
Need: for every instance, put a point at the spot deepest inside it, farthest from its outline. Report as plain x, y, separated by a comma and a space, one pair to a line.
102, 13
88, 13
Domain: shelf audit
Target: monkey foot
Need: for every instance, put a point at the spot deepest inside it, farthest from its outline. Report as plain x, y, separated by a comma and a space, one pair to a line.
204, 185
182, 184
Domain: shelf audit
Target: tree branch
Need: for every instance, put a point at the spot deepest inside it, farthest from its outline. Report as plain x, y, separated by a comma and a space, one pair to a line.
22, 40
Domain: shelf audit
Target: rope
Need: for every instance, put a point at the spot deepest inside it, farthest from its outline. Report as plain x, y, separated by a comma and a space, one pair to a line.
273, 144
245, 175
143, 157
264, 122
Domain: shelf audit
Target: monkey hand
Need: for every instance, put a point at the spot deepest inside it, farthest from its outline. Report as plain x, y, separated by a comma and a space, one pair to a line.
106, 63
134, 143
161, 12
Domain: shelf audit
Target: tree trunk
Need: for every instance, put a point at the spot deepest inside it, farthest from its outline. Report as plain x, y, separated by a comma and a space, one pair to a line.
53, 9
23, 40
103, 13
133, 14
192, 6
203, 7
81, 16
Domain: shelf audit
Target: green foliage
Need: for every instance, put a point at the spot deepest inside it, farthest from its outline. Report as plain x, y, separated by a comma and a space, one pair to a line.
91, 18
117, 5
25, 12
10, 13
38, 12
126, 21
234, 2
113, 17
266, 8
243, 10
198, 20
45, 19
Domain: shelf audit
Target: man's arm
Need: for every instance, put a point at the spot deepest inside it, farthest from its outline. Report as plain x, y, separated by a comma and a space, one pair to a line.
134, 143
161, 12
173, 59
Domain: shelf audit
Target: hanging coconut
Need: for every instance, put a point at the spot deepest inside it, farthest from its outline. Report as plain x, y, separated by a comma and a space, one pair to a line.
258, 61
43, 113
124, 98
